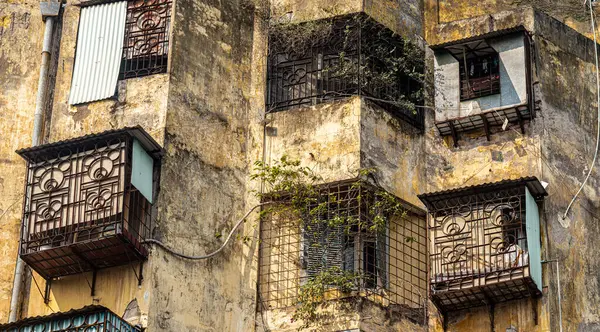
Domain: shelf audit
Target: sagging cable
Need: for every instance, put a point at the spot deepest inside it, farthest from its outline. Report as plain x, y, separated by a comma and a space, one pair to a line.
598, 104
237, 225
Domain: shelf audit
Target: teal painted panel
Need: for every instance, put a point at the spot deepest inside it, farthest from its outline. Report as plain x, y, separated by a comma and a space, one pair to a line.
141, 170
532, 216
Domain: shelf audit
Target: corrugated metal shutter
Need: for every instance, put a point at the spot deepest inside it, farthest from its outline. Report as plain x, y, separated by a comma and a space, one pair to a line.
324, 247
99, 50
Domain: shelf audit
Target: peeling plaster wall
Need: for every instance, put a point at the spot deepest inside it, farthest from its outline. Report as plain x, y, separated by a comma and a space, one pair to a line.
570, 12
21, 33
204, 172
404, 17
324, 137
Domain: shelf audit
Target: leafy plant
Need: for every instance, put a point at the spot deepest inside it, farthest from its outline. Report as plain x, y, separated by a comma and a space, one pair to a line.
358, 52
312, 294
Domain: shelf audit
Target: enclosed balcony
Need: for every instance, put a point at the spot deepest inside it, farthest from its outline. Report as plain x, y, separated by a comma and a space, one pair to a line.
347, 231
485, 243
331, 59
88, 201
90, 318
483, 83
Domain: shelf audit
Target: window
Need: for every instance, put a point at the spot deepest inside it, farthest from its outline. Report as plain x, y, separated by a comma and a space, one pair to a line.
479, 72
352, 249
483, 82
118, 40
146, 43
88, 202
485, 243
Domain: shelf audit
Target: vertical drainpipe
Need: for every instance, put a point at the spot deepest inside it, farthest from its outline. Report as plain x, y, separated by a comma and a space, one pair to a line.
49, 12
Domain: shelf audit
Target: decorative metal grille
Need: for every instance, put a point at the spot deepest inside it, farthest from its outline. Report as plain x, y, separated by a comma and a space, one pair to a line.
346, 56
146, 43
81, 212
479, 247
390, 264
92, 318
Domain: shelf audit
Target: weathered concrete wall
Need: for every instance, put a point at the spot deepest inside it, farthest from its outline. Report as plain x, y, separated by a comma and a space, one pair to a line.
361, 315
116, 288
396, 150
21, 33
569, 106
325, 137
140, 101
404, 17
475, 26
571, 12
204, 172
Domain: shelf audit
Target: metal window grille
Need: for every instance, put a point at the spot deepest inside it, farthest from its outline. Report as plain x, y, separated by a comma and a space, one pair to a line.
146, 43
348, 56
481, 76
390, 264
90, 318
478, 245
81, 211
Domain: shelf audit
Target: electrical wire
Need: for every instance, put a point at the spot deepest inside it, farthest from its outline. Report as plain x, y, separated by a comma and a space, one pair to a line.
598, 101
175, 253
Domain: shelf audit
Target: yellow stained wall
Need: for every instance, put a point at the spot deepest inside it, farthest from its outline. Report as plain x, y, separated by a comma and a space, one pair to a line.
571, 12
21, 32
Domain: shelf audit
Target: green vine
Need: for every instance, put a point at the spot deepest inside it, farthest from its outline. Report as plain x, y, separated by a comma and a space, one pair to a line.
312, 294
297, 197
359, 52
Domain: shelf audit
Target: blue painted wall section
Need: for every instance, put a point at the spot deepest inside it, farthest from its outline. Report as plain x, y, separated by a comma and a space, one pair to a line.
141, 170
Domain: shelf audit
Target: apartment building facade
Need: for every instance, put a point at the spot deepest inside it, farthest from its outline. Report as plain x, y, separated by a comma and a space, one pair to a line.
476, 120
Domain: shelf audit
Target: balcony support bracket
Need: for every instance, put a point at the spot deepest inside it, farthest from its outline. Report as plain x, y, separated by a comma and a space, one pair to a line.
454, 134
93, 285
141, 274
521, 121
486, 126
47, 291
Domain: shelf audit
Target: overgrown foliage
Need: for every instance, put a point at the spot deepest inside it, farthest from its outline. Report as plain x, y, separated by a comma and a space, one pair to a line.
358, 52
297, 198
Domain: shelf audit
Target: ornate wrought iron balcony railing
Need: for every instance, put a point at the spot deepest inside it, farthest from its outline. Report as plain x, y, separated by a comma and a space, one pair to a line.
90, 318
88, 201
146, 42
329, 59
485, 243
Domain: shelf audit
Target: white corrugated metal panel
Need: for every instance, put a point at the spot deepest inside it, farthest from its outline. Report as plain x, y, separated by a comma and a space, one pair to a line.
99, 51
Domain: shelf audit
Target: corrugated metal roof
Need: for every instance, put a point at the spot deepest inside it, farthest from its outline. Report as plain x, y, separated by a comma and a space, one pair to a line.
533, 184
51, 150
99, 51
56, 316
486, 35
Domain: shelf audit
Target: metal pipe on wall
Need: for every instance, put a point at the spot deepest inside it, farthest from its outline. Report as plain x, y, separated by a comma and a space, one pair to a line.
49, 12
